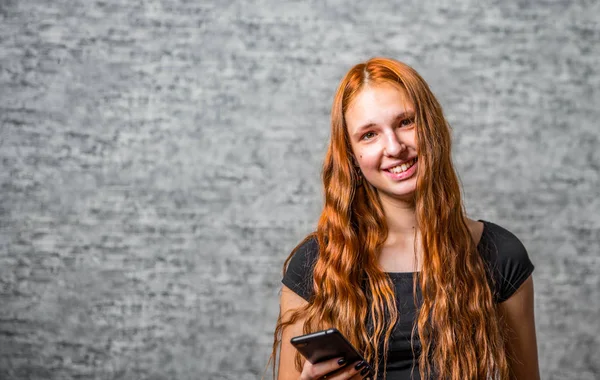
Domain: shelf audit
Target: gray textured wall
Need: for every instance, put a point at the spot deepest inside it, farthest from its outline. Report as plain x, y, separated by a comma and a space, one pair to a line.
159, 159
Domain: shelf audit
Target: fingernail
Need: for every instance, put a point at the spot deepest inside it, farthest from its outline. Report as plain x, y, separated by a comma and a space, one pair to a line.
359, 365
364, 371
342, 361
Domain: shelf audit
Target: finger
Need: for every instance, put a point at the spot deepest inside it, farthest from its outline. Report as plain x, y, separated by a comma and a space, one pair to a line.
363, 371
315, 371
356, 370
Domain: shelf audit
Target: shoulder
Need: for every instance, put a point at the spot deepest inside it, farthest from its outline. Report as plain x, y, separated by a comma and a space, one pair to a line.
506, 258
502, 239
304, 255
298, 272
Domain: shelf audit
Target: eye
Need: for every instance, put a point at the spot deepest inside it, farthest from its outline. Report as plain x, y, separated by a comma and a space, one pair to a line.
367, 136
407, 122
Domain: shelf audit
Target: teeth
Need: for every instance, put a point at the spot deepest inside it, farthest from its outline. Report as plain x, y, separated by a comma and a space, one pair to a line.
402, 168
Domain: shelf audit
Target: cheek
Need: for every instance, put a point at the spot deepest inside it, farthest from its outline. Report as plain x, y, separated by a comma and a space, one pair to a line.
368, 159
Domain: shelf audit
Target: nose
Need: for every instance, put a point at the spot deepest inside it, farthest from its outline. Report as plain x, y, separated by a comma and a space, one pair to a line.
393, 145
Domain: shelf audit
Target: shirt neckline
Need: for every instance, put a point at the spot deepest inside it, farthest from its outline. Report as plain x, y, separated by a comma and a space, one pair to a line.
410, 274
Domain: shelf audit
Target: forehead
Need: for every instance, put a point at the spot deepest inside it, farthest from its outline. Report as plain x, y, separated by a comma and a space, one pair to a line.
377, 104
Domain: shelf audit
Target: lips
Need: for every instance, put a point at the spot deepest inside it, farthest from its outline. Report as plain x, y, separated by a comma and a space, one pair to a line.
401, 168
402, 171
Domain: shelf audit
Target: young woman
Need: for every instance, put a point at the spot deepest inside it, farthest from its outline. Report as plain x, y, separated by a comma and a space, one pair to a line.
420, 289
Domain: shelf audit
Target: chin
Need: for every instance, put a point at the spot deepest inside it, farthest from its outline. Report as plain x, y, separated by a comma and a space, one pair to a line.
405, 196
406, 189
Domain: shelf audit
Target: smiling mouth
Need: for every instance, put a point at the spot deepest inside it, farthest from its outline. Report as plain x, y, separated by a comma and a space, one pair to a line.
403, 167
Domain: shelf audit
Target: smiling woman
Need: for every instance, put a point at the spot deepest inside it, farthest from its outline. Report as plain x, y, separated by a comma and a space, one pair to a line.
381, 126
420, 289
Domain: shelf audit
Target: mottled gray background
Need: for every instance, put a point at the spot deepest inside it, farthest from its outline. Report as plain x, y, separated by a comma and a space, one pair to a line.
160, 158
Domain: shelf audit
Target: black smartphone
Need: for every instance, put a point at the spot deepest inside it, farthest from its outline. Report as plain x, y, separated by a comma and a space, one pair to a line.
326, 344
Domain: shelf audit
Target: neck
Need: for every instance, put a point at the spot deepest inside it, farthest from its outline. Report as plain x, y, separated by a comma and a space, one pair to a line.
400, 216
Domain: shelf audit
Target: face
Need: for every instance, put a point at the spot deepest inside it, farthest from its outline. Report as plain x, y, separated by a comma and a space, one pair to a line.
382, 131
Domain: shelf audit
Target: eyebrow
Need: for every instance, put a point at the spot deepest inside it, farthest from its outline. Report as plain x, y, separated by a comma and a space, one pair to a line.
400, 116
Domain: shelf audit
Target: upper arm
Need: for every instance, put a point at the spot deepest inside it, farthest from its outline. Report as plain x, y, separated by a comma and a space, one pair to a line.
518, 313
289, 302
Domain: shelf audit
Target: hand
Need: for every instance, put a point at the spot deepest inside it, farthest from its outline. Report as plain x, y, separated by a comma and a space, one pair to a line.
334, 369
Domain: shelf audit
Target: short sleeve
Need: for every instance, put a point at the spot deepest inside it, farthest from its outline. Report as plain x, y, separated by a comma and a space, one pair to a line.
507, 260
299, 274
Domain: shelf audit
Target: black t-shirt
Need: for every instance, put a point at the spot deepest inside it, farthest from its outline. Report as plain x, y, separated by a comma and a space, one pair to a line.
503, 253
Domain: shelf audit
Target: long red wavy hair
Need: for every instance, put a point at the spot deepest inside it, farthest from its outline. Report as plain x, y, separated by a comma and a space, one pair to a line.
457, 323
